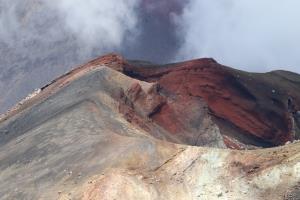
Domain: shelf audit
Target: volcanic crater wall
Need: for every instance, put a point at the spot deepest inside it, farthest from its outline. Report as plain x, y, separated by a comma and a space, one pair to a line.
197, 102
249, 108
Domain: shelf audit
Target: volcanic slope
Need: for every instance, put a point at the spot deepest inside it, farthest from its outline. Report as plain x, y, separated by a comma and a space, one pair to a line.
117, 129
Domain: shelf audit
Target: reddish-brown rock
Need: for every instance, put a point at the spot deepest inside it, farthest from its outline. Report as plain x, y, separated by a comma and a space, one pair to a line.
201, 102
252, 108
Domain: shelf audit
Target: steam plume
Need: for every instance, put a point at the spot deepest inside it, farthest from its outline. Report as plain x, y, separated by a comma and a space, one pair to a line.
252, 35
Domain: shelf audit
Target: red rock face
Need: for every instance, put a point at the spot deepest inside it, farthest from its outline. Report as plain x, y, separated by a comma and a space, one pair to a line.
227, 99
248, 108
203, 103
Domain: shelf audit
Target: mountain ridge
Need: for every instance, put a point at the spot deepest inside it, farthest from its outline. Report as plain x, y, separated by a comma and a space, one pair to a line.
209, 90
112, 128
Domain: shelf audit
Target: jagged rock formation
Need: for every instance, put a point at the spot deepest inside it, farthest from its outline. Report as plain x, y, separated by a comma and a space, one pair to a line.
118, 129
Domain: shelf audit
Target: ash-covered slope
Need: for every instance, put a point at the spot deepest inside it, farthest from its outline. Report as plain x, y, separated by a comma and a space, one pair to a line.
117, 129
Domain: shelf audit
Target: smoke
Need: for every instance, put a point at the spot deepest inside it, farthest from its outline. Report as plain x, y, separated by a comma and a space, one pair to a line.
251, 35
99, 23
137, 29
157, 40
41, 39
87, 28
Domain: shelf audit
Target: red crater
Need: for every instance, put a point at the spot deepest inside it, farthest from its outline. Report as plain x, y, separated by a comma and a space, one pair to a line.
248, 109
201, 102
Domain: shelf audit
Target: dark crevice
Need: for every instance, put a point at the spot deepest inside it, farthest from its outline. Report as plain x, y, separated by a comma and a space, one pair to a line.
134, 74
156, 110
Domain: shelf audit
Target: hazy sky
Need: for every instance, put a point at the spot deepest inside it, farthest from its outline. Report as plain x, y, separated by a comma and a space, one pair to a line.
255, 35
252, 35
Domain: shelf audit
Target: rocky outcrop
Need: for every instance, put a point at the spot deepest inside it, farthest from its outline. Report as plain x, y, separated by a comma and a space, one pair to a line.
134, 130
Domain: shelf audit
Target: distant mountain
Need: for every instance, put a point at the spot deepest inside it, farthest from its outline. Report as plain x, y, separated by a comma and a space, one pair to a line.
120, 129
